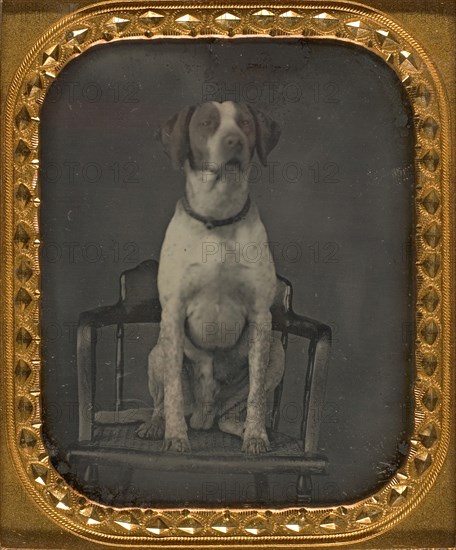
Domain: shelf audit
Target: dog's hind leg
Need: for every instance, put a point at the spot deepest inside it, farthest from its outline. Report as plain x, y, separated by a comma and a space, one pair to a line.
203, 386
232, 399
232, 404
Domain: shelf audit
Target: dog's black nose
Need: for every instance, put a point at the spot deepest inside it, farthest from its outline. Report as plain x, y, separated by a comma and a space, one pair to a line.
232, 140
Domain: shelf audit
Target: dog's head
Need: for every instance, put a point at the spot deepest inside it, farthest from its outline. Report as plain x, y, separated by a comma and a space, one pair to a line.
214, 137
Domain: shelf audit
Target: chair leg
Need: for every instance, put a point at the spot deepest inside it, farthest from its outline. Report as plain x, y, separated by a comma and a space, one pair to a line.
118, 493
262, 488
114, 496
91, 475
125, 484
91, 481
304, 489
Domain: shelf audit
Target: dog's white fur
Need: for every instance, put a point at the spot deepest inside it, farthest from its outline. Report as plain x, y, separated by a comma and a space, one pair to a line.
204, 297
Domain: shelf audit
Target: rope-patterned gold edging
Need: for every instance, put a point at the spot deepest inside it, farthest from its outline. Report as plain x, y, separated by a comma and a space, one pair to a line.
104, 23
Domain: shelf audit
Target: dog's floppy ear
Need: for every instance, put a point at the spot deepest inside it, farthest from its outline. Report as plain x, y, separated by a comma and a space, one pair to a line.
174, 136
267, 134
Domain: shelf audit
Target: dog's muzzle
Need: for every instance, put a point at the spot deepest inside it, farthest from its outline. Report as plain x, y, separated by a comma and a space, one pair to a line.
232, 142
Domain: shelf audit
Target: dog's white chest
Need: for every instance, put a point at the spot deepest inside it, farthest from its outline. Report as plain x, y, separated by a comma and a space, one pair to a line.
219, 275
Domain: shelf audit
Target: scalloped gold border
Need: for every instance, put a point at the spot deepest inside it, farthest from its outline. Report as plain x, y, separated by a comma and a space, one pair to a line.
103, 23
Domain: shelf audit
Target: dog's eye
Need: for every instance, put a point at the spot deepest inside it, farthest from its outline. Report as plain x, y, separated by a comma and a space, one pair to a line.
245, 122
205, 123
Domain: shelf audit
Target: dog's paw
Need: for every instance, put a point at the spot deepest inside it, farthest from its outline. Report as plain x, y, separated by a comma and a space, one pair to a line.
154, 429
200, 421
255, 445
176, 444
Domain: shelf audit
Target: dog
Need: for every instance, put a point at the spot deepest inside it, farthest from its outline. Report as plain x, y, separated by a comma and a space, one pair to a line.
216, 316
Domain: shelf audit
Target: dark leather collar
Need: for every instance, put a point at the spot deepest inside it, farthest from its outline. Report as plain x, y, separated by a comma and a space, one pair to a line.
209, 222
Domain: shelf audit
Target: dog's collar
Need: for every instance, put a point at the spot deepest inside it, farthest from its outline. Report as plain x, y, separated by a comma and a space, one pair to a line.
209, 222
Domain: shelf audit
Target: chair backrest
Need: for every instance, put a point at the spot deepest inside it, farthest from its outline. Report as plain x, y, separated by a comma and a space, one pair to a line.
138, 286
282, 304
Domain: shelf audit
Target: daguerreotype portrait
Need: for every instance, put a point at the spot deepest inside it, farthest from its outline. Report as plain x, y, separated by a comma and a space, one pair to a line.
229, 221
227, 237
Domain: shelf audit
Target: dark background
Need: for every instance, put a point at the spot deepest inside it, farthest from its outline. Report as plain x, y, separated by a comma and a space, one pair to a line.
338, 205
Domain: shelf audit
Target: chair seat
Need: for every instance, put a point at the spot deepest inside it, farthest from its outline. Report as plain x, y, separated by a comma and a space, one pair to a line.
212, 451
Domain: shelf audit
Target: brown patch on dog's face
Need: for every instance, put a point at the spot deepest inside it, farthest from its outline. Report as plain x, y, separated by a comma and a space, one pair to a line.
221, 135
214, 136
203, 125
246, 123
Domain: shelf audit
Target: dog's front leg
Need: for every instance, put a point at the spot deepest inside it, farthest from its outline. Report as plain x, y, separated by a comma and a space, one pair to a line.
171, 340
255, 439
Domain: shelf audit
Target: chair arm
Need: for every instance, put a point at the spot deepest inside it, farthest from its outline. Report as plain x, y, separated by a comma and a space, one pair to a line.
306, 327
89, 322
118, 313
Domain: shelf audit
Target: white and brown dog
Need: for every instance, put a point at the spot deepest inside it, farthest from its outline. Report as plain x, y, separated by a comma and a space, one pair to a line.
216, 316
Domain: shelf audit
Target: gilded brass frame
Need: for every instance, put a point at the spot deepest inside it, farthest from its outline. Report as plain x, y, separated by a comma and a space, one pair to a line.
117, 20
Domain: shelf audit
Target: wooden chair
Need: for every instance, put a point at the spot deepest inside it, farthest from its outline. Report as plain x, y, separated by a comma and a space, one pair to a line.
211, 453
